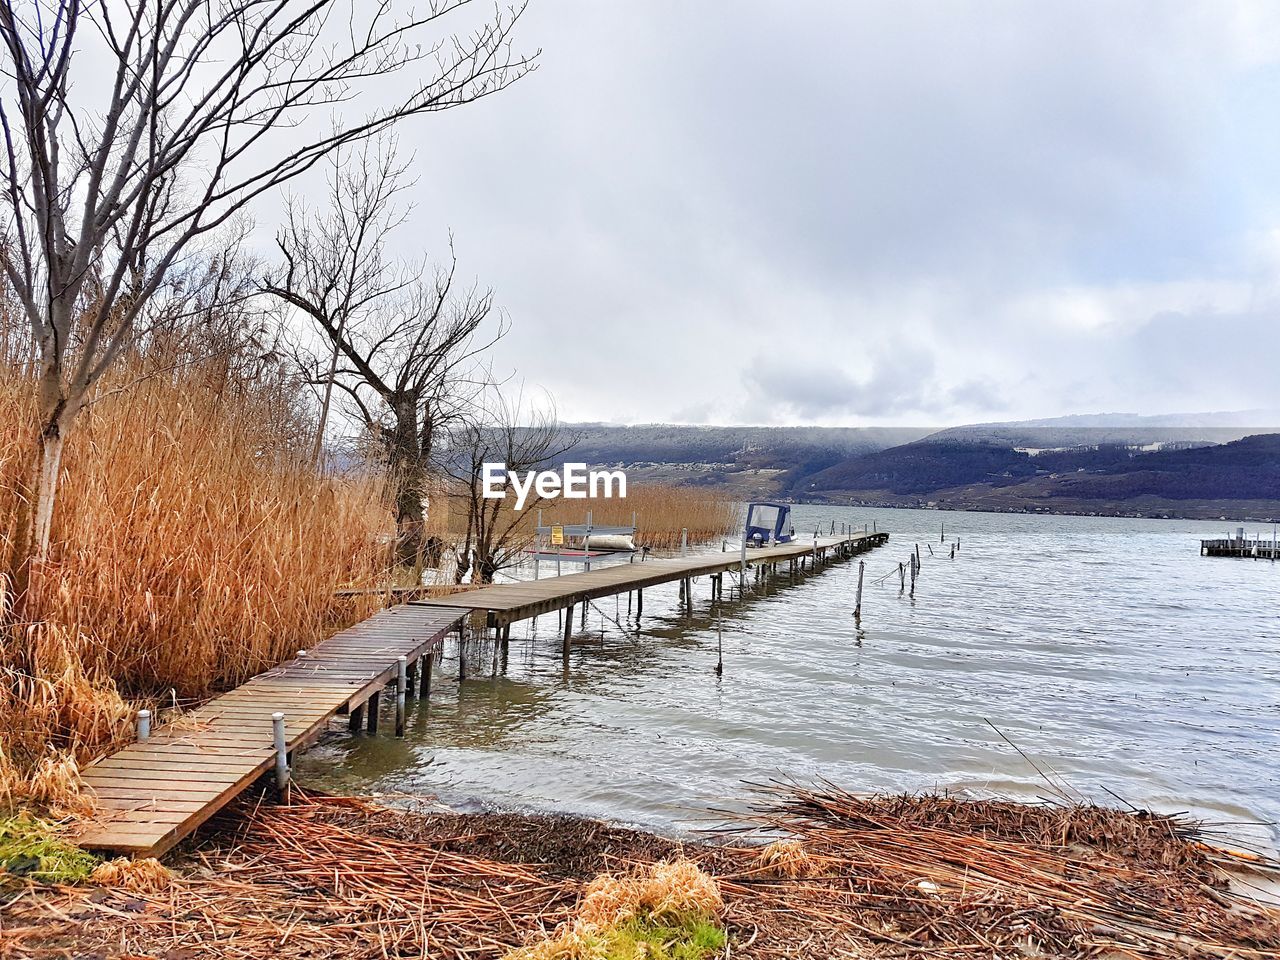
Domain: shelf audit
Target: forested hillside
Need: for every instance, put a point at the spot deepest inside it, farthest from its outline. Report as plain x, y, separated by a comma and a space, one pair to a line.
1105, 479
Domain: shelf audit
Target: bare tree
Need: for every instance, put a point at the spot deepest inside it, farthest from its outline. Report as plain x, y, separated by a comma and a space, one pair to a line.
402, 343
134, 128
500, 431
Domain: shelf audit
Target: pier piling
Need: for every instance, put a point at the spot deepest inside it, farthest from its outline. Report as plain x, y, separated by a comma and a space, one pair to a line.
282, 751
568, 630
402, 687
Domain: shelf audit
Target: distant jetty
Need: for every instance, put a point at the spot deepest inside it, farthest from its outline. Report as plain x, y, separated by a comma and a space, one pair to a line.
1242, 546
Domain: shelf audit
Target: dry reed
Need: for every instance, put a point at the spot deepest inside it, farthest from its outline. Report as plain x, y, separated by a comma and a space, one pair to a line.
147, 875
661, 512
193, 547
905, 877
786, 858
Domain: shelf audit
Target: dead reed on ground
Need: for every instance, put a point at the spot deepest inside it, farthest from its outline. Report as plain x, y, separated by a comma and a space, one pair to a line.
925, 876
901, 877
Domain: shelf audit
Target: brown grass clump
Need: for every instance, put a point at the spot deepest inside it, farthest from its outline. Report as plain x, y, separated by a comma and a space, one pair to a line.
669, 890
786, 858
147, 875
664, 889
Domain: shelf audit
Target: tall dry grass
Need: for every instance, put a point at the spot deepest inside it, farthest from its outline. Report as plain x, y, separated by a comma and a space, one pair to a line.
193, 547
661, 513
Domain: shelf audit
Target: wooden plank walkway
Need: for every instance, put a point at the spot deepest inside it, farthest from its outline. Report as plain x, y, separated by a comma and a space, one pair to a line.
154, 792
508, 603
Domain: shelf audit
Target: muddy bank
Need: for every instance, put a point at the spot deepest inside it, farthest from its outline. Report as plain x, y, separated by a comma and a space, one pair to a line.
843, 876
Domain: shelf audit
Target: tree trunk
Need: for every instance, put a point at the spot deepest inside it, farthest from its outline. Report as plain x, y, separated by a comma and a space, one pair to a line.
46, 492
408, 476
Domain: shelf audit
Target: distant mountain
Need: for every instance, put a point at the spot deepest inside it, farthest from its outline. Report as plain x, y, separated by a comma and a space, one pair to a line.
1239, 478
724, 450
920, 468
1208, 464
1118, 428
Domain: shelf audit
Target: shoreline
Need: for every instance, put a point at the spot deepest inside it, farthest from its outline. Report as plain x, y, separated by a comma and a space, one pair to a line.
1115, 512
812, 873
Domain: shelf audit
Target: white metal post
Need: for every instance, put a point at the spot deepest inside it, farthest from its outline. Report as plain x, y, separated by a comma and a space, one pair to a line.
282, 750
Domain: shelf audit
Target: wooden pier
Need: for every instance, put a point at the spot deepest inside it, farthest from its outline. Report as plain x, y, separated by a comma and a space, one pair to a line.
154, 792
508, 603
158, 790
1256, 549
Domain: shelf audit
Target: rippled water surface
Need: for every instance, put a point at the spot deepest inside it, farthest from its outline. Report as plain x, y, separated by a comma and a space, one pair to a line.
1105, 649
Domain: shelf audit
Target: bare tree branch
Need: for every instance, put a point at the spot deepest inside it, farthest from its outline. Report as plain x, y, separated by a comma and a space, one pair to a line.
109, 177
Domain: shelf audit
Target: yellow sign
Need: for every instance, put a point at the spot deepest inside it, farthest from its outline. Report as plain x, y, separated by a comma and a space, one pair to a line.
557, 536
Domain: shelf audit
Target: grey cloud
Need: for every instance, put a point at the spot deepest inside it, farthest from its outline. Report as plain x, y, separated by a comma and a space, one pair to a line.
749, 211
783, 388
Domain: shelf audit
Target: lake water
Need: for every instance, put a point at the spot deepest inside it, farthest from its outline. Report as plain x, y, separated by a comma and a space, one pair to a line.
1106, 649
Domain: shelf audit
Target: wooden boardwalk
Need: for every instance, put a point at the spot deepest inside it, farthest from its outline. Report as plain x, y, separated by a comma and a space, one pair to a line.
508, 603
154, 792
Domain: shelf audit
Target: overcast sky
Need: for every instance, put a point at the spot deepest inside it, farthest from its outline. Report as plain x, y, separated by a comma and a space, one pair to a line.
852, 213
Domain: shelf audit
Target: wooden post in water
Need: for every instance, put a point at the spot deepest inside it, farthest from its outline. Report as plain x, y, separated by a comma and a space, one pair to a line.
719, 646
915, 568
537, 545
568, 629
427, 662
355, 719
857, 603
371, 712
902, 579
402, 688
